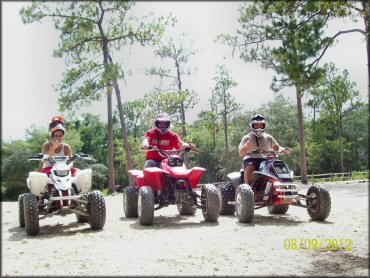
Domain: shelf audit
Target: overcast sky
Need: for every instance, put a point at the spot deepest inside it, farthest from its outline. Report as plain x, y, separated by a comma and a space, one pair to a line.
29, 70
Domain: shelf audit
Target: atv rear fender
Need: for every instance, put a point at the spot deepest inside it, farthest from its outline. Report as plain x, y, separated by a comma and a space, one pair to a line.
235, 178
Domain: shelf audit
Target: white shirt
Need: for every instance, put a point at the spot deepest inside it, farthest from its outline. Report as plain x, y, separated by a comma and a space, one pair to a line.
264, 143
61, 153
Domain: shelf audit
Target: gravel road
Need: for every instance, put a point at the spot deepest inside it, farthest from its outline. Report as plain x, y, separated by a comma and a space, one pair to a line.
187, 246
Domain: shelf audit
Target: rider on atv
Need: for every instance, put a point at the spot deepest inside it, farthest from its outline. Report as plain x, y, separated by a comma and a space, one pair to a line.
257, 139
163, 138
56, 147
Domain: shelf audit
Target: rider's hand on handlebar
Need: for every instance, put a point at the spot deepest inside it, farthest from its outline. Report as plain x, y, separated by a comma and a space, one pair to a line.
286, 150
153, 148
190, 147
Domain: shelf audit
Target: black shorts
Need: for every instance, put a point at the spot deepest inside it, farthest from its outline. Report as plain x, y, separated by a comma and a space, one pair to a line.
255, 161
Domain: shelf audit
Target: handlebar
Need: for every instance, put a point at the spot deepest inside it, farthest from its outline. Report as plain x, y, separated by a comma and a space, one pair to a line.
166, 153
52, 159
267, 153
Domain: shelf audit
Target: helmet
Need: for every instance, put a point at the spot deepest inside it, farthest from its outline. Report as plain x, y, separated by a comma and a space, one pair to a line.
258, 118
162, 122
59, 127
56, 121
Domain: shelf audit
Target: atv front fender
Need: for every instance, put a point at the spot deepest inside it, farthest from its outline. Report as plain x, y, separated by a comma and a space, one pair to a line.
194, 175
138, 176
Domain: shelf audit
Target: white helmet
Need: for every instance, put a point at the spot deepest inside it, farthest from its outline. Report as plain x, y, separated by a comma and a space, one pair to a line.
58, 127
162, 122
258, 118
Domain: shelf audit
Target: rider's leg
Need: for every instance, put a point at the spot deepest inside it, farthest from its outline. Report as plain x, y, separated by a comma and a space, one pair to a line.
248, 173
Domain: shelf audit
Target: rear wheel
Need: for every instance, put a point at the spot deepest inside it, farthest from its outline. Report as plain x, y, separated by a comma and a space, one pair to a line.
210, 202
31, 215
21, 210
186, 209
130, 195
244, 203
145, 205
318, 202
96, 209
227, 193
279, 209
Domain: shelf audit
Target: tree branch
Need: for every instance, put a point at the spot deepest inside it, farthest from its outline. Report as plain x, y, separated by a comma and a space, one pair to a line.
315, 63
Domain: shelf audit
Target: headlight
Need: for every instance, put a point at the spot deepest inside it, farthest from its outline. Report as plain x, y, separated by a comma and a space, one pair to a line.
179, 162
61, 173
175, 162
171, 162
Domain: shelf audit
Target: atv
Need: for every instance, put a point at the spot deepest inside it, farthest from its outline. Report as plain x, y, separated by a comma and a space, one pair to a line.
170, 184
271, 187
60, 193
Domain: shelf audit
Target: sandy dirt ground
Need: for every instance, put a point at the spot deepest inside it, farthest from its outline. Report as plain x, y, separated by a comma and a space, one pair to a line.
187, 246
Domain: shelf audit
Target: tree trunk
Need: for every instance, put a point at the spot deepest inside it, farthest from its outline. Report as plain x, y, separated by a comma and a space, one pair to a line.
130, 163
366, 8
111, 181
182, 113
226, 144
304, 178
214, 165
340, 142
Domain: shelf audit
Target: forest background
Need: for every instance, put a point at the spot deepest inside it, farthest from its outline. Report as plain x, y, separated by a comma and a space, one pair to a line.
335, 108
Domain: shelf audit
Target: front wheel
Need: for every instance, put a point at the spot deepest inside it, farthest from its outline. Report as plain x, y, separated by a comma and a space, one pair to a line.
31, 215
210, 203
244, 203
96, 209
130, 201
318, 202
145, 205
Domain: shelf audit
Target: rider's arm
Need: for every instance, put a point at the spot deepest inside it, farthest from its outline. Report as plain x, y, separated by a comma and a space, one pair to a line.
145, 144
49, 147
277, 148
245, 145
67, 150
183, 144
282, 149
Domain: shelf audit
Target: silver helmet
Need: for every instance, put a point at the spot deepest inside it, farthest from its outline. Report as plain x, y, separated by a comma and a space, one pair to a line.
162, 122
258, 118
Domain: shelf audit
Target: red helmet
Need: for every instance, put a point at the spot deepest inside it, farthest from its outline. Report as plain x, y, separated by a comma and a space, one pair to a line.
162, 122
56, 121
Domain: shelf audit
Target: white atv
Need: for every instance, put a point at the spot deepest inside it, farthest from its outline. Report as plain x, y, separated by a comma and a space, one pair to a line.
60, 194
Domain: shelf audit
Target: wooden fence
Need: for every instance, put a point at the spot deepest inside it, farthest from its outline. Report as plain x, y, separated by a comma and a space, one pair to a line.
330, 176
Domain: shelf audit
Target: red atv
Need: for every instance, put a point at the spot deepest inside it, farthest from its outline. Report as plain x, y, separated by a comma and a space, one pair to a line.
170, 184
271, 187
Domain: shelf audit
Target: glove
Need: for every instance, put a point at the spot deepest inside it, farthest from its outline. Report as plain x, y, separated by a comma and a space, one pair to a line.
153, 148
